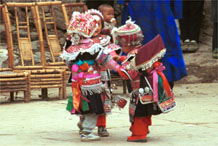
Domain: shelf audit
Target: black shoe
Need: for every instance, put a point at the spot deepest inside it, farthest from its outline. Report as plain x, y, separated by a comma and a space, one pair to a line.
102, 132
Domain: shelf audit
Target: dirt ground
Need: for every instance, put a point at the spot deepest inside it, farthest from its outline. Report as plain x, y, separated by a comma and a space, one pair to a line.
201, 67
46, 123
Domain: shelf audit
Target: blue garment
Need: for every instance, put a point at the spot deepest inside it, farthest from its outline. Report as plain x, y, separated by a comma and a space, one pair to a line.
158, 17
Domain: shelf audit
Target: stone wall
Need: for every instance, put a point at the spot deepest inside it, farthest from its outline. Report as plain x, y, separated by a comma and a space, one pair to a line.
206, 31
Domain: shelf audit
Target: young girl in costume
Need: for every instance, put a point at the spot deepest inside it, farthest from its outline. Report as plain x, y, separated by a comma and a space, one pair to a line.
84, 54
150, 90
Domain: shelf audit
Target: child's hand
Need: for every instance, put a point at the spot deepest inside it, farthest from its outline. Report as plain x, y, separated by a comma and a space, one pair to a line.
116, 58
113, 20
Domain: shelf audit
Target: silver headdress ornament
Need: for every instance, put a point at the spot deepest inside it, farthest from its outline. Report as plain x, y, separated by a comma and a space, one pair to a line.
75, 38
129, 22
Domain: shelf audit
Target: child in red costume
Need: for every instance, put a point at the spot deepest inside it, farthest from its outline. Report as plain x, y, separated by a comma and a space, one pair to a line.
150, 90
85, 55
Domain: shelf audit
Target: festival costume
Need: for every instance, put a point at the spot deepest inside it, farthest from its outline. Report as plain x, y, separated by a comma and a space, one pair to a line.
150, 90
85, 55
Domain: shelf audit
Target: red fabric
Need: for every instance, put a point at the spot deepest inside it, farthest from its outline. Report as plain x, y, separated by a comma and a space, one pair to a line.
76, 96
101, 121
148, 51
140, 128
122, 58
84, 67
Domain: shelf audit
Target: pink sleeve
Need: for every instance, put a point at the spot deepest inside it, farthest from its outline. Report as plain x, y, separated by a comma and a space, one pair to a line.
112, 65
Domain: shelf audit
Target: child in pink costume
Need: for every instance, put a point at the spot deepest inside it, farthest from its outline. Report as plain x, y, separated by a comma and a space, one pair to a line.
150, 90
84, 55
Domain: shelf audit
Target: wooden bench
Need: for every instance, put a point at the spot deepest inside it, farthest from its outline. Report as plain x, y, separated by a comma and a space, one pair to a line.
37, 71
12, 82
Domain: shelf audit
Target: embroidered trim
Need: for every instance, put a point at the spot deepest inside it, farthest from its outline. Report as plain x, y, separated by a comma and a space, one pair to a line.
72, 56
149, 63
85, 35
95, 78
92, 89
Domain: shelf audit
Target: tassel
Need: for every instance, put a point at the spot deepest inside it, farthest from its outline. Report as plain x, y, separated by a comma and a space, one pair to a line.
158, 65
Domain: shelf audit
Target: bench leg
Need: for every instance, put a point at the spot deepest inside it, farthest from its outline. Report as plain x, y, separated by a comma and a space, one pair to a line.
44, 92
27, 95
61, 93
11, 96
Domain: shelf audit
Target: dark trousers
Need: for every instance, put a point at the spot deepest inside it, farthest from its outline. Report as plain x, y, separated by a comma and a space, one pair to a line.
94, 4
215, 36
190, 23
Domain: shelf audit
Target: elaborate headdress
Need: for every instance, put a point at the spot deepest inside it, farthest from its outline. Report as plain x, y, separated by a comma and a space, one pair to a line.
82, 24
81, 28
129, 33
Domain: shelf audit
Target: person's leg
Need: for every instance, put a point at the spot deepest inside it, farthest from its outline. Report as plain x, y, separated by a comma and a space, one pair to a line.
184, 22
79, 124
196, 15
101, 124
89, 122
195, 24
88, 125
149, 122
215, 43
139, 129
101, 121
184, 25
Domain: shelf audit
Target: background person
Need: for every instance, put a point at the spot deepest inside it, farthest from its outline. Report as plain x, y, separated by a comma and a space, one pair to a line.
190, 24
214, 14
